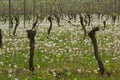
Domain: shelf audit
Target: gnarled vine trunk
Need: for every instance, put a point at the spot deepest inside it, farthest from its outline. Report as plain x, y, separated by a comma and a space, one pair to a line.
0, 38
16, 25
50, 19
104, 23
97, 56
31, 36
82, 24
35, 23
57, 19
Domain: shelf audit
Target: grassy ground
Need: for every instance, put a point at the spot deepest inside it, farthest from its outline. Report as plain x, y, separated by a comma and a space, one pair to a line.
67, 55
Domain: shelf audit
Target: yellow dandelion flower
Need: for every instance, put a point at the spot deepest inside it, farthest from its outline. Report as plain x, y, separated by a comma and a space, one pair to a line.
97, 72
26, 79
89, 71
40, 77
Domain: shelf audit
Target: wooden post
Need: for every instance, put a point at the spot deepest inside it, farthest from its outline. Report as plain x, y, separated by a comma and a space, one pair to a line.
97, 56
34, 10
10, 14
118, 10
31, 36
24, 12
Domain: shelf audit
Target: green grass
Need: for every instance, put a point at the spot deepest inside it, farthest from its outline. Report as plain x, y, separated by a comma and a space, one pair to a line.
65, 52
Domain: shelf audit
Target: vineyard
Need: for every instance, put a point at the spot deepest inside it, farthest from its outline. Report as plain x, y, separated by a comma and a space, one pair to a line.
59, 39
